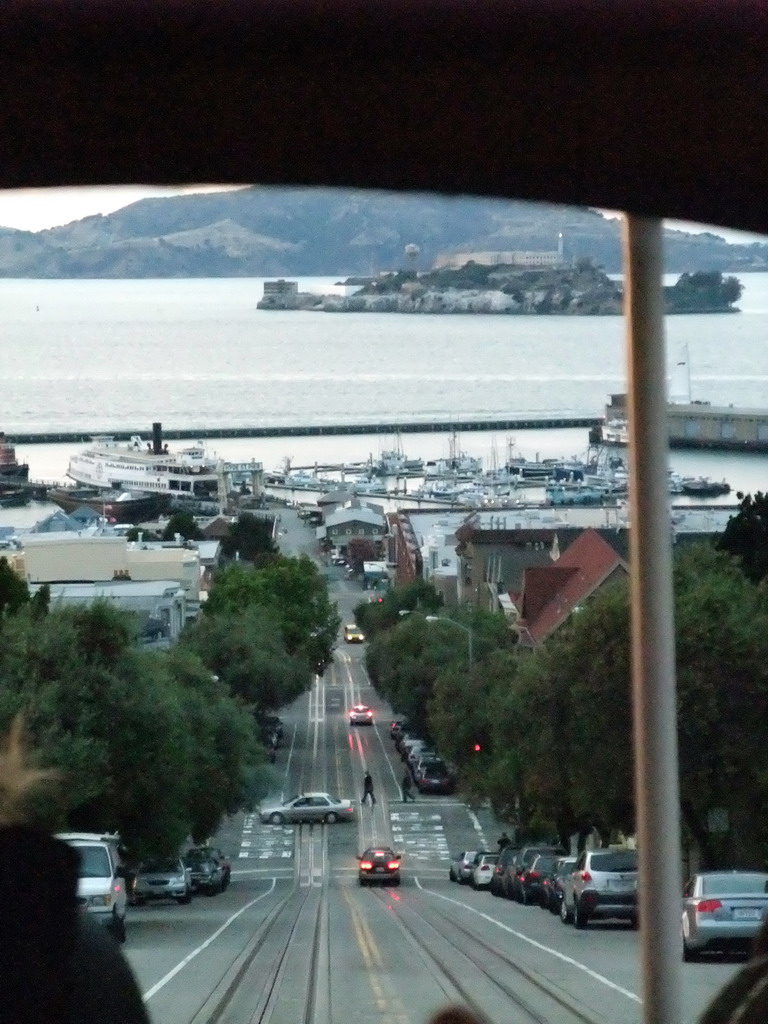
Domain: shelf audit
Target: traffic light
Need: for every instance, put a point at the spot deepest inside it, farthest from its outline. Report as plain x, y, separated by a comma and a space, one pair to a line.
476, 748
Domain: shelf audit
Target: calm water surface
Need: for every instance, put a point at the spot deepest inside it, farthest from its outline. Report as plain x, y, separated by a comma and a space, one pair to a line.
99, 355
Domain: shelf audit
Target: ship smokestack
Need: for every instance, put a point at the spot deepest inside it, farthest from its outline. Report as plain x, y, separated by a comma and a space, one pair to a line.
157, 438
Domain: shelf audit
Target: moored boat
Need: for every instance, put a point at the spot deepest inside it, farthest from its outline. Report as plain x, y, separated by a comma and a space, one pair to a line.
704, 487
14, 497
10, 467
115, 506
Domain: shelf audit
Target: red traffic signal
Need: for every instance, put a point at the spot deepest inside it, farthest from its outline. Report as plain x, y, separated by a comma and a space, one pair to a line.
477, 748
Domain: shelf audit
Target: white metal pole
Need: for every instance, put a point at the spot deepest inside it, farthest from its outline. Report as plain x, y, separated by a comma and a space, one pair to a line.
653, 632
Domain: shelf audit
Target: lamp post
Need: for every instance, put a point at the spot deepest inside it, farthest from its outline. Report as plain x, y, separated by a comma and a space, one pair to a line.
466, 629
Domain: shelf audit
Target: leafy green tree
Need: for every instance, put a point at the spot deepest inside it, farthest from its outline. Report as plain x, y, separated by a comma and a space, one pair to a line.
249, 537
14, 592
375, 616
746, 536
295, 594
184, 524
41, 601
247, 652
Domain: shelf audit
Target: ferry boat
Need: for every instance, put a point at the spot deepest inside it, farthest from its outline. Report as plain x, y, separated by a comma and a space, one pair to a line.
114, 506
148, 467
10, 467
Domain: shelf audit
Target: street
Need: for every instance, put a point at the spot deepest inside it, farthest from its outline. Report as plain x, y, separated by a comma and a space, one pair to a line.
295, 939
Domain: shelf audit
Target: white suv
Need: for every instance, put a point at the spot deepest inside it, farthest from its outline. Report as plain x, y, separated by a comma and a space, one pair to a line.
101, 888
603, 884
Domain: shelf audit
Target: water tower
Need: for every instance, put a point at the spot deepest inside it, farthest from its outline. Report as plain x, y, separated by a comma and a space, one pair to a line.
412, 253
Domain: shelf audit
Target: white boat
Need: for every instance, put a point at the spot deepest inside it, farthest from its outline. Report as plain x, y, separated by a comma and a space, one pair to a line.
146, 466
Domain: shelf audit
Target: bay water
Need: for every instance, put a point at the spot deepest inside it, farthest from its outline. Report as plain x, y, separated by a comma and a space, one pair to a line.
95, 356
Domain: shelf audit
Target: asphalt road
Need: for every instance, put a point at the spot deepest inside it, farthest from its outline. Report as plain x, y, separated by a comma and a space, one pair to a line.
295, 940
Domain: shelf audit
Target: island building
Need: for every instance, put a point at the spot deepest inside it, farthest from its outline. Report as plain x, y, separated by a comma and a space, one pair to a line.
508, 258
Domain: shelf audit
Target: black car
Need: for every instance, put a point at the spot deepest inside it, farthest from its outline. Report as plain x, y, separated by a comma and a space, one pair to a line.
552, 896
504, 864
434, 776
379, 864
207, 874
219, 856
527, 856
531, 881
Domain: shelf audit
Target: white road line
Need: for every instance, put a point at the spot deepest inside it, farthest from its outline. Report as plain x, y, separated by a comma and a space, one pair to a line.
478, 828
191, 956
537, 945
290, 755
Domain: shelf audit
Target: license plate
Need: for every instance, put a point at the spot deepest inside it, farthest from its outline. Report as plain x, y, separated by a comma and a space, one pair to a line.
379, 869
619, 885
747, 914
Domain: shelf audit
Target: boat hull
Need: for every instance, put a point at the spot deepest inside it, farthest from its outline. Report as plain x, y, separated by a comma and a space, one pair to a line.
137, 509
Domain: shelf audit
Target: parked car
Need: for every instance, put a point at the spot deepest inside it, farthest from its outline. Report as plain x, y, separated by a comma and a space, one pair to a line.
360, 714
722, 911
379, 864
462, 865
397, 726
221, 857
506, 856
206, 874
308, 807
482, 869
553, 884
528, 855
163, 878
532, 878
417, 753
434, 776
510, 862
409, 745
603, 884
101, 885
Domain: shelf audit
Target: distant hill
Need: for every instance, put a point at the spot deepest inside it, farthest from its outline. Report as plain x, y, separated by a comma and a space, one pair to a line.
266, 232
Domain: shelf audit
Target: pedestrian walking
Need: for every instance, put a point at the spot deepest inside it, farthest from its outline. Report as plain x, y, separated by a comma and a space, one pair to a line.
503, 841
405, 785
368, 789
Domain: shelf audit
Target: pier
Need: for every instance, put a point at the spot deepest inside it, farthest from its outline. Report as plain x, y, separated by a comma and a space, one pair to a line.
317, 430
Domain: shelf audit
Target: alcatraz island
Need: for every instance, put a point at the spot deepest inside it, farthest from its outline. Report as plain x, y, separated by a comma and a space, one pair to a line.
581, 289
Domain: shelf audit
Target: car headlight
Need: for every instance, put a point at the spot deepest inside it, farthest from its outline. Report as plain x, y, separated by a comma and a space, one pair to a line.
100, 901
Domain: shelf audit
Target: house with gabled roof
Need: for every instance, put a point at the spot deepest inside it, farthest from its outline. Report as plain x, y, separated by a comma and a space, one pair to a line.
550, 593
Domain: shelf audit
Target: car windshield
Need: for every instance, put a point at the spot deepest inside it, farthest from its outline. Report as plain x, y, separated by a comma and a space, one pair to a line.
734, 885
94, 862
626, 860
161, 866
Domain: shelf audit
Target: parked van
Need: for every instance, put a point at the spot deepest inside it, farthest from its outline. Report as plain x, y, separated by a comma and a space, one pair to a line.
101, 888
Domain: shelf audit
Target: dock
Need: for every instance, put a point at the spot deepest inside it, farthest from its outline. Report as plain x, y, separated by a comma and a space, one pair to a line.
317, 430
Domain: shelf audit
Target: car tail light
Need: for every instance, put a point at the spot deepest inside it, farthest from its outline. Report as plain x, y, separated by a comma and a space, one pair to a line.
585, 876
369, 713
393, 865
709, 906
533, 874
366, 865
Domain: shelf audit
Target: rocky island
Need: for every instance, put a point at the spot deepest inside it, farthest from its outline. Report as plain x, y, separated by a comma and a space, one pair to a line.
569, 290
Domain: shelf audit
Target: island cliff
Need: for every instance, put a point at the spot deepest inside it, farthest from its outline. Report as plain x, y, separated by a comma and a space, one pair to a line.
580, 290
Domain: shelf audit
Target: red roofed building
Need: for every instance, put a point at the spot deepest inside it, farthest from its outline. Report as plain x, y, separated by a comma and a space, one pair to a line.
551, 592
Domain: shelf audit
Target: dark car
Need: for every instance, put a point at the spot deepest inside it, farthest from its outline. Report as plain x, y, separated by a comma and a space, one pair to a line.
218, 855
434, 776
379, 864
206, 874
531, 879
552, 896
527, 856
506, 858
397, 726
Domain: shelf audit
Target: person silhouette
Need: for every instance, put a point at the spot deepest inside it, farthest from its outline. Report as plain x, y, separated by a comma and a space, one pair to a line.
368, 789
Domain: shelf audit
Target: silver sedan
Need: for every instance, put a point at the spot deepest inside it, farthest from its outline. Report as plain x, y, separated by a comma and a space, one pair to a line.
723, 910
308, 807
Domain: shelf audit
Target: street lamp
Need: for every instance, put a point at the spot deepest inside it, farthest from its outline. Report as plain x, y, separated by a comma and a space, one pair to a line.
466, 629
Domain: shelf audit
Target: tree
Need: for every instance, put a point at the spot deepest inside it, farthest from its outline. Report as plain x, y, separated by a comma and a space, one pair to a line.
14, 592
360, 550
295, 593
247, 652
746, 536
415, 596
184, 524
249, 537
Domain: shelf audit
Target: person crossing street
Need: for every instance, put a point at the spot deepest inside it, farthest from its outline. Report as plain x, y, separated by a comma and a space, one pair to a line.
368, 789
405, 785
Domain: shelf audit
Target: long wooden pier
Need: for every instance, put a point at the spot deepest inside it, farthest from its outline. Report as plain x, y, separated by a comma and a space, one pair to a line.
316, 430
